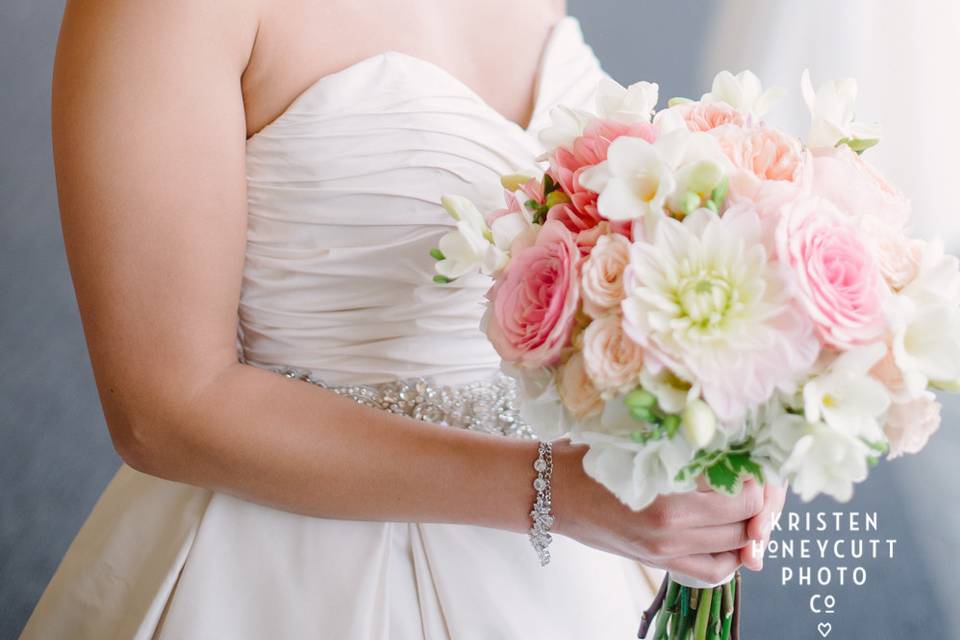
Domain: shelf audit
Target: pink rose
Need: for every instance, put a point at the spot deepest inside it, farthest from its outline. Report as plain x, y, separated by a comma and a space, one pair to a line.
856, 188
612, 360
601, 278
910, 424
765, 152
535, 299
835, 277
701, 116
577, 391
566, 165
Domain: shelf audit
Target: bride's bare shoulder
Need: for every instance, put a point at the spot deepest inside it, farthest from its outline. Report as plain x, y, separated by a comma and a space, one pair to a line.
127, 33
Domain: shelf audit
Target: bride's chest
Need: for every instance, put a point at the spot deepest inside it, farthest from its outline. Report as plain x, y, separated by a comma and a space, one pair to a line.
299, 41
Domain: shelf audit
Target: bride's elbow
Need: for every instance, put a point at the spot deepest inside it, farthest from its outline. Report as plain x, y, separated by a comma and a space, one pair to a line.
139, 442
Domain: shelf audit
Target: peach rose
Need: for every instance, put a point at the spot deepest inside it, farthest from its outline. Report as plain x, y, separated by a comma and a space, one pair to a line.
577, 391
890, 376
910, 424
898, 255
835, 276
703, 116
856, 188
767, 153
535, 300
601, 279
612, 360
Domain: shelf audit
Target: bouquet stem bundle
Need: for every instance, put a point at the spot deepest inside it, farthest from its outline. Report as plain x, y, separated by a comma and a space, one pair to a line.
685, 613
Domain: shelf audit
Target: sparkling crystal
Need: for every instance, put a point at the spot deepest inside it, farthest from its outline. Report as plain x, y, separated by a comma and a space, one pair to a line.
539, 484
540, 465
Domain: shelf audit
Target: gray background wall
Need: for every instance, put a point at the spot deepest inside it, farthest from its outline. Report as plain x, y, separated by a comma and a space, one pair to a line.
55, 455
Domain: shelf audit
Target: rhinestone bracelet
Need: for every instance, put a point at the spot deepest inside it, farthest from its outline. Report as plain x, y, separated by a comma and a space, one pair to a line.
540, 536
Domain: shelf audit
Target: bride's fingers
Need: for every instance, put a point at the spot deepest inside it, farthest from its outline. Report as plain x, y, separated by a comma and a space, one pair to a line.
709, 567
758, 527
710, 508
702, 540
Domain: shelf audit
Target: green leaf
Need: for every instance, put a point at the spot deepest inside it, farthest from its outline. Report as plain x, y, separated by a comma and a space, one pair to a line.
858, 144
437, 254
441, 279
548, 184
722, 477
741, 463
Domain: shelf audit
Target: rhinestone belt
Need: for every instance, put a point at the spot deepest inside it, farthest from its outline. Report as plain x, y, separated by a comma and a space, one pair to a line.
488, 406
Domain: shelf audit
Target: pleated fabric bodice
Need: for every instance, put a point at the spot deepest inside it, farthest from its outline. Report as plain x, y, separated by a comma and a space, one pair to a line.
344, 206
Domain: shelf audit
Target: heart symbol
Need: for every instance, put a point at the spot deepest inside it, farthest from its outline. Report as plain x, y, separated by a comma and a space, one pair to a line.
824, 628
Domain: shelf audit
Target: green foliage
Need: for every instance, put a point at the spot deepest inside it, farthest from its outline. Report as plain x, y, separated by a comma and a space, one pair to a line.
725, 470
857, 144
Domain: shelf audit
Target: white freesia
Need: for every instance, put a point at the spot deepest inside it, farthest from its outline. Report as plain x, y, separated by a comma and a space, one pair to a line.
633, 182
672, 392
823, 460
640, 179
626, 104
635, 473
539, 403
566, 125
743, 92
507, 227
470, 247
846, 397
925, 323
703, 298
775, 432
832, 112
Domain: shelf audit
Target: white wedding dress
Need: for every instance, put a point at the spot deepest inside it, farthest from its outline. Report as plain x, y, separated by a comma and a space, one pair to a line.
344, 192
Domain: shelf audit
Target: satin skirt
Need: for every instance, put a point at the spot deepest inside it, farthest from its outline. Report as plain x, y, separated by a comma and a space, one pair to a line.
161, 559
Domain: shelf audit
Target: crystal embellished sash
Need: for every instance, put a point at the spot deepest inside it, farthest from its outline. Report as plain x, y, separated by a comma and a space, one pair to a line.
488, 406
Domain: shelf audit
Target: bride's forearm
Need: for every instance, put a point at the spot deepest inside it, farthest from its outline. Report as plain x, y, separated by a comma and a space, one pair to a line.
292, 445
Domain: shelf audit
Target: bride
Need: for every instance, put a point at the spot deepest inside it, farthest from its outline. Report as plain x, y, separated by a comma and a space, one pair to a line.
249, 191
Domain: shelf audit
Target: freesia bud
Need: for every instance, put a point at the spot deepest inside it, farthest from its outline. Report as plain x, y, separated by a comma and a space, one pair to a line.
513, 181
699, 423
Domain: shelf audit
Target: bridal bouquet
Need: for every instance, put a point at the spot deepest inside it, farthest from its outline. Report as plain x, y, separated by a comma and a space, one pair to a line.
694, 292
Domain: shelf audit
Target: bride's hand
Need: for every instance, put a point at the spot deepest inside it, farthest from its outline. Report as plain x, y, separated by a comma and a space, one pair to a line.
703, 534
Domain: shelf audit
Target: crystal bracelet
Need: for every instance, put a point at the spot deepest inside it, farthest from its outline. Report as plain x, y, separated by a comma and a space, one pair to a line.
540, 536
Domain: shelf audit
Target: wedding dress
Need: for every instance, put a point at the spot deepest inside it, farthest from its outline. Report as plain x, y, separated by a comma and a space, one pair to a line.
344, 192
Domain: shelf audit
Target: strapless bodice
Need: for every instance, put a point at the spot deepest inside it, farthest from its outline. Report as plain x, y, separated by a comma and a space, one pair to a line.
344, 205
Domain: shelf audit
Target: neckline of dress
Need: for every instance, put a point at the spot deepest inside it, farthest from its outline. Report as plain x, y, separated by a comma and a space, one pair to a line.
542, 68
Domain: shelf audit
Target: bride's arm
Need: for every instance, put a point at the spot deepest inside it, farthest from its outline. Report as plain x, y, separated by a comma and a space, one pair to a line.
149, 137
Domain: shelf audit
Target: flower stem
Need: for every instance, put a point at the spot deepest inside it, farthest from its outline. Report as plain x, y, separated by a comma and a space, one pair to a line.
728, 590
703, 614
735, 630
664, 616
713, 630
686, 614
651, 611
